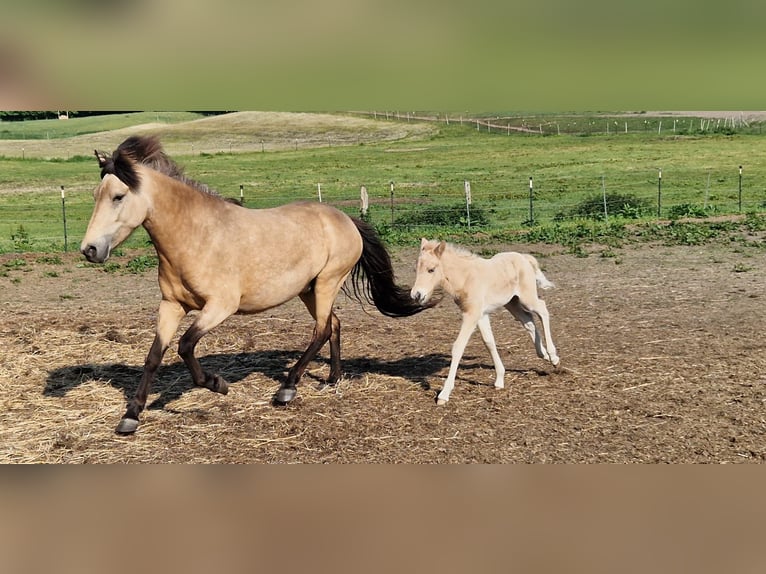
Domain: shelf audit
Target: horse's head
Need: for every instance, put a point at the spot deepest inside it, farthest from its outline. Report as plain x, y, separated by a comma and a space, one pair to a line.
119, 208
429, 270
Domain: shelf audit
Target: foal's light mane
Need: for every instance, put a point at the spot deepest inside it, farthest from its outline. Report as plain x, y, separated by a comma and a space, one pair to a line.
461, 251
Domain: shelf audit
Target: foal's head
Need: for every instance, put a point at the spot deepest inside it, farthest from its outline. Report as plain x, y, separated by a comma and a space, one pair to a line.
429, 270
119, 206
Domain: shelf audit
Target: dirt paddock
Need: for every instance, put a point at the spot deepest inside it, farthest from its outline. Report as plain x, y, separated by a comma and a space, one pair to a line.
662, 361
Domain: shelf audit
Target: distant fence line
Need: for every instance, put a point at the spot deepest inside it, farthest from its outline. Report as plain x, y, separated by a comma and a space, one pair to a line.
58, 220
583, 125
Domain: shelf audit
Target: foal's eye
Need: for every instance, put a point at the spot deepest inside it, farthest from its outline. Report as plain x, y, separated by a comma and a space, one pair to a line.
432, 269
118, 198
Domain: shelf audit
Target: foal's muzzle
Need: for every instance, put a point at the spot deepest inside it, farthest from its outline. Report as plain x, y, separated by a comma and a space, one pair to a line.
419, 296
93, 254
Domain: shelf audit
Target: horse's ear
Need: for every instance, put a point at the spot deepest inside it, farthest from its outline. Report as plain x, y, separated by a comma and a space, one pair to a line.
102, 158
423, 242
440, 248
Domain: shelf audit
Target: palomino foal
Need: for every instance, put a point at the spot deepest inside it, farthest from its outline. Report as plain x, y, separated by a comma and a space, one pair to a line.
479, 287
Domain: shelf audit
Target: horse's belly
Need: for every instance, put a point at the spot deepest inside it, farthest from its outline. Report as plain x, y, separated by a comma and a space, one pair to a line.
260, 296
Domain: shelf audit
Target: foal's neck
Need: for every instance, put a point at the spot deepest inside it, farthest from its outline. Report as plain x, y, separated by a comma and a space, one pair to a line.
456, 269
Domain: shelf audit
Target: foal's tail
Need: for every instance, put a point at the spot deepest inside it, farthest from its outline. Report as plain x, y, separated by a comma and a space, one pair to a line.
380, 289
542, 280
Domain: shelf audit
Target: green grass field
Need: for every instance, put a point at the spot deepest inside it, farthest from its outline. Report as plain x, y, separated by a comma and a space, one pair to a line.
428, 168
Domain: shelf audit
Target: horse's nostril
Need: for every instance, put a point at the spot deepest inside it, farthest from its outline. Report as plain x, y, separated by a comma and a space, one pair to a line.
89, 252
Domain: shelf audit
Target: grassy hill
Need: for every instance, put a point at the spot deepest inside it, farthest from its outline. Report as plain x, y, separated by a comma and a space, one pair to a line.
188, 133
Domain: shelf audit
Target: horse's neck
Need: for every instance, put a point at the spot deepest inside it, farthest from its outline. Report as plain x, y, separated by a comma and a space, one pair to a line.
171, 230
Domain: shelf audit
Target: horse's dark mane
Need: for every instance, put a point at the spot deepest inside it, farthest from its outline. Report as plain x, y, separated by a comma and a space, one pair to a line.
147, 151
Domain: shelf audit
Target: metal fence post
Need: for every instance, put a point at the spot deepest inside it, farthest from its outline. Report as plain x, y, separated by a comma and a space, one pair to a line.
531, 203
740, 189
392, 203
659, 193
63, 211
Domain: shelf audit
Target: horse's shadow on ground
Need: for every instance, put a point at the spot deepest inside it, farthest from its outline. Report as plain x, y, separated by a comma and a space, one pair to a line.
173, 380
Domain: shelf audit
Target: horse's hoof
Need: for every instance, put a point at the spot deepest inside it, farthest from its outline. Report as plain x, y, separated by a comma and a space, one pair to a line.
221, 386
441, 402
127, 426
285, 395
216, 383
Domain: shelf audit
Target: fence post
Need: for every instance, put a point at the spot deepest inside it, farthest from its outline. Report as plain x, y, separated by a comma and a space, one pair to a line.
392, 203
740, 189
63, 211
365, 201
603, 191
241, 195
531, 203
659, 193
467, 185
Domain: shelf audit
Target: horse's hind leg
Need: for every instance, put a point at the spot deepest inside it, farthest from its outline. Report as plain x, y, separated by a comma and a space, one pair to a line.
210, 316
489, 340
319, 302
168, 318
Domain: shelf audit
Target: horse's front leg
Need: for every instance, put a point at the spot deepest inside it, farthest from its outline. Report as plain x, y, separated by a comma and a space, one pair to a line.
458, 347
168, 317
211, 316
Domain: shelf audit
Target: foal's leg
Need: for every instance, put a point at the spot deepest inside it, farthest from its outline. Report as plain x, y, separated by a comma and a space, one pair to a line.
541, 309
169, 316
458, 347
528, 322
523, 310
211, 316
489, 340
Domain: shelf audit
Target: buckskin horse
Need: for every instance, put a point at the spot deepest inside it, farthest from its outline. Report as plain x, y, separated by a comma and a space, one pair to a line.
221, 258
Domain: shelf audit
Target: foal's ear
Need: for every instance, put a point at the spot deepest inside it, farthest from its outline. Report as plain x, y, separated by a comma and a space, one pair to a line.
423, 242
440, 248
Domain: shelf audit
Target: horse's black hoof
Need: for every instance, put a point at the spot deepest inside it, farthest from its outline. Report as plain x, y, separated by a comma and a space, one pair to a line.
127, 426
285, 395
220, 385
216, 383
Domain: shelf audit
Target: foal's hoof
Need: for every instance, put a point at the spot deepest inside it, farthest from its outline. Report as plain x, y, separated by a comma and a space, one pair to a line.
285, 395
127, 426
441, 402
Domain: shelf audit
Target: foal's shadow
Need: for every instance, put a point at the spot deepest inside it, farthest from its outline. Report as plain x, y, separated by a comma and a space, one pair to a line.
173, 380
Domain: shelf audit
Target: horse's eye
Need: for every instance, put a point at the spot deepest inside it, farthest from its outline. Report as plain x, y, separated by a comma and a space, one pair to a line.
432, 269
118, 198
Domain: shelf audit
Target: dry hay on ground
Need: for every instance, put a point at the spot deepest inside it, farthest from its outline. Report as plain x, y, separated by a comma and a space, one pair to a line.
661, 352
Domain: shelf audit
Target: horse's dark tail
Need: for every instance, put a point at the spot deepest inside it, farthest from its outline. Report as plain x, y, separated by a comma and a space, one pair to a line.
380, 287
